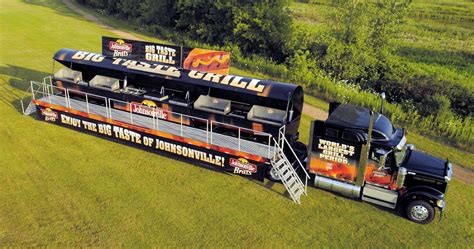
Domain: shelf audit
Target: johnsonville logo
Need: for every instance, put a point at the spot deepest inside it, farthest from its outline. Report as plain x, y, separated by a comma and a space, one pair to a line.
149, 108
120, 47
242, 166
49, 115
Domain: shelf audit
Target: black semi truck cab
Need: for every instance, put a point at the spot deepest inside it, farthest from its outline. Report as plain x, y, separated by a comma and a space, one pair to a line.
360, 154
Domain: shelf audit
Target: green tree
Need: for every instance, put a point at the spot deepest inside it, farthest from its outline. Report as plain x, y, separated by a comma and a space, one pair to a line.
361, 39
263, 27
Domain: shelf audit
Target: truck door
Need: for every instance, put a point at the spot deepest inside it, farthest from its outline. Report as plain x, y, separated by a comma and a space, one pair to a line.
330, 155
380, 167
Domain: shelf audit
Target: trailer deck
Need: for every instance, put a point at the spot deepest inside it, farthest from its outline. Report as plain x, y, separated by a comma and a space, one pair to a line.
207, 136
46, 96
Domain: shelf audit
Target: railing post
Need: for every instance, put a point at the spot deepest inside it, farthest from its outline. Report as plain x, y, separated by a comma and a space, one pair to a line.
239, 138
87, 103
158, 122
207, 130
32, 90
153, 116
47, 92
22, 107
181, 125
106, 107
110, 108
211, 131
131, 116
269, 145
282, 137
68, 104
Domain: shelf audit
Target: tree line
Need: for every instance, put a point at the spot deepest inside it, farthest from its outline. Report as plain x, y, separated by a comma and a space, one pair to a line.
357, 50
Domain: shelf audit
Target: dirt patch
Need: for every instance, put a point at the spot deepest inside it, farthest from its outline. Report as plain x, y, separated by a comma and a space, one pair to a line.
314, 112
460, 173
99, 22
463, 174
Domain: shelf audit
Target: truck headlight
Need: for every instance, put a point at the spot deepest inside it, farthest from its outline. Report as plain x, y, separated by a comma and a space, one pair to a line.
440, 203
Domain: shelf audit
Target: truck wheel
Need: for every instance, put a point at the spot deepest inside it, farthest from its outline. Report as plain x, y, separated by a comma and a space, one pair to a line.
272, 175
420, 211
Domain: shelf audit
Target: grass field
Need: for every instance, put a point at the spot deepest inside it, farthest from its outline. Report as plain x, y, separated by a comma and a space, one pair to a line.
438, 36
64, 188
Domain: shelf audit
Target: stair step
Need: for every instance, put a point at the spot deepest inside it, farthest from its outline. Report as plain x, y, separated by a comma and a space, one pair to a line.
30, 109
297, 188
286, 174
279, 163
289, 177
290, 182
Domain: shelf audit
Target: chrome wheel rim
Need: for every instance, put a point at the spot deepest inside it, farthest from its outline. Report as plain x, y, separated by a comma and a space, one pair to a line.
419, 212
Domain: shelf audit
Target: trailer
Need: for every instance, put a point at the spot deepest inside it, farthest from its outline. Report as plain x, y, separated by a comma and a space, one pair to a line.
242, 126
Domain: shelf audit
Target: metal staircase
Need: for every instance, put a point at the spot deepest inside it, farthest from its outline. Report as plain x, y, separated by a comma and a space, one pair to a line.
36, 88
30, 109
284, 169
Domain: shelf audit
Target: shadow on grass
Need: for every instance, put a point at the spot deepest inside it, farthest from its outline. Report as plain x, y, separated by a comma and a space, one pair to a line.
17, 78
396, 212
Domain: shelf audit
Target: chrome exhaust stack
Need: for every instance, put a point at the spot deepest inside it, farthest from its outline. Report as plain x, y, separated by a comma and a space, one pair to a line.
383, 100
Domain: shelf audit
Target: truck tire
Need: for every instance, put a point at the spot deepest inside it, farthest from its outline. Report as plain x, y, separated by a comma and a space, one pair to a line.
272, 175
420, 211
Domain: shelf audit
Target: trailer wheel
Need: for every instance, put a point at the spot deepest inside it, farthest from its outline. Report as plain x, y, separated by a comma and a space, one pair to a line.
420, 211
272, 175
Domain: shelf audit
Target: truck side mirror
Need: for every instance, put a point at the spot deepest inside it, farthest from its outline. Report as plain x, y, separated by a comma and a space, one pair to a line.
411, 147
382, 160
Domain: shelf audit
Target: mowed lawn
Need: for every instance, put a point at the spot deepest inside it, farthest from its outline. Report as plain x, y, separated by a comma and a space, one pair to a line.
64, 188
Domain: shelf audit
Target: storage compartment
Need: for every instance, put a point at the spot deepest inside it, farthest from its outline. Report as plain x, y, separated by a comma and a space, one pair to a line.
267, 115
68, 74
105, 83
212, 104
380, 196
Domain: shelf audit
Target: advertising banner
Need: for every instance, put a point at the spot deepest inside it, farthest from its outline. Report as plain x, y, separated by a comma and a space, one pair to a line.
198, 59
139, 137
333, 157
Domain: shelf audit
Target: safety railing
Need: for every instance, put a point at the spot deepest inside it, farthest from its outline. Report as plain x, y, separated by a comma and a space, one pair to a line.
284, 181
258, 135
109, 107
282, 141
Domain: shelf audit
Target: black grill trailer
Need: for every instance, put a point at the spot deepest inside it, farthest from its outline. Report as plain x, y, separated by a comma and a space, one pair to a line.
243, 126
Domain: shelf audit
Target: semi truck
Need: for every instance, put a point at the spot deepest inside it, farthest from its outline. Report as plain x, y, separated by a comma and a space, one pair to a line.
360, 154
243, 126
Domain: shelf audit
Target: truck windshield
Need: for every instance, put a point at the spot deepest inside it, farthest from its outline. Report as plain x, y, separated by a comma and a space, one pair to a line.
400, 155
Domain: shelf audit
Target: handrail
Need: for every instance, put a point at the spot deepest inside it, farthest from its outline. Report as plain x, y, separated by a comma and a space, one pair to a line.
22, 107
286, 158
243, 128
294, 153
283, 138
44, 89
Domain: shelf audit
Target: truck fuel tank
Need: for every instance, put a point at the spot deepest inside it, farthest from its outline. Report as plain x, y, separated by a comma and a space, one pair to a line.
337, 186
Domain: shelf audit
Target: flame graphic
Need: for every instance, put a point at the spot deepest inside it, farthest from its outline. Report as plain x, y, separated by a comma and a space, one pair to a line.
198, 61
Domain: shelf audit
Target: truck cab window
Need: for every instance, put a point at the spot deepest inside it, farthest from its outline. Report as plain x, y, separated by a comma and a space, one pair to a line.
330, 132
349, 136
378, 136
400, 155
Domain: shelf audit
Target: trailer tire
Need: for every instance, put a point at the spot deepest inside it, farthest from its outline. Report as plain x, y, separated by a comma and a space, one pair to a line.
420, 211
272, 175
